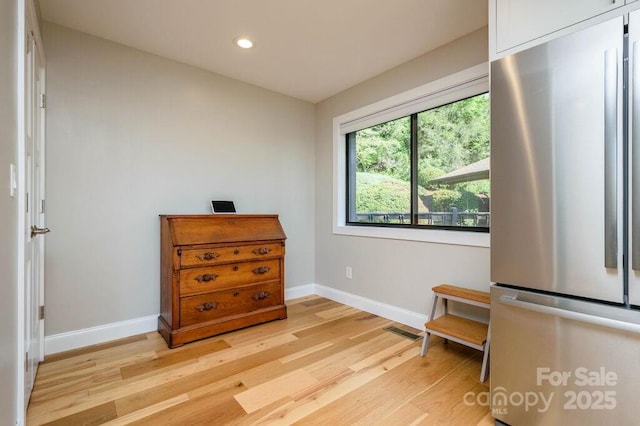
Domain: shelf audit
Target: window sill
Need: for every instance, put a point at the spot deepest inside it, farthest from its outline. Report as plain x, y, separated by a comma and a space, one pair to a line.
436, 236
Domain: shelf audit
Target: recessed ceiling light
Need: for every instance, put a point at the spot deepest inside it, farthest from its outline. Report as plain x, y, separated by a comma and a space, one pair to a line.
243, 42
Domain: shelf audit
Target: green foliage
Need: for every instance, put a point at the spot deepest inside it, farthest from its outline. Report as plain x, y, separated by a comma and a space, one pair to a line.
476, 187
380, 156
463, 196
380, 193
454, 135
443, 199
385, 149
449, 137
427, 173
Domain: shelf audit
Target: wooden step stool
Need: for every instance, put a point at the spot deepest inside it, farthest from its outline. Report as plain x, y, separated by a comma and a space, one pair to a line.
461, 330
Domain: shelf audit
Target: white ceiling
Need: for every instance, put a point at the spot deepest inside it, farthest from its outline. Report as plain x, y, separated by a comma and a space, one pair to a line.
308, 49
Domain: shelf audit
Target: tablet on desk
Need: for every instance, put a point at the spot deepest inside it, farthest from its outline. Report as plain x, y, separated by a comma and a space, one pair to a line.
223, 207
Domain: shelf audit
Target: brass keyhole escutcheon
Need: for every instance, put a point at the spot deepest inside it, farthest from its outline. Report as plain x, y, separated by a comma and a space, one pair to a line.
235, 268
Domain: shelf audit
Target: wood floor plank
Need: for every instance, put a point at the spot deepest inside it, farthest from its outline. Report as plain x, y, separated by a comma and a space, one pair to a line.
464, 379
92, 348
171, 357
326, 364
56, 369
338, 312
407, 414
487, 421
397, 386
252, 369
210, 409
54, 380
314, 301
66, 406
102, 356
380, 355
305, 352
358, 353
96, 415
148, 410
268, 367
262, 395
193, 385
294, 325
75, 382
335, 390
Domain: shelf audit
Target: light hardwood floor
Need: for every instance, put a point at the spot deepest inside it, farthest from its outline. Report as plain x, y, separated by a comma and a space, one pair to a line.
327, 364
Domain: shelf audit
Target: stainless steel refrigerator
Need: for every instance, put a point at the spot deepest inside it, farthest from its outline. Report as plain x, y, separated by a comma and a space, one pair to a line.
565, 231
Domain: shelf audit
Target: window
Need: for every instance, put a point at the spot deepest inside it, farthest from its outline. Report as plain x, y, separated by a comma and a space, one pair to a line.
450, 88
428, 169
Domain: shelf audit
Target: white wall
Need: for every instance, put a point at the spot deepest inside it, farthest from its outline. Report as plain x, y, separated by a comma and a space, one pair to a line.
131, 136
396, 272
8, 213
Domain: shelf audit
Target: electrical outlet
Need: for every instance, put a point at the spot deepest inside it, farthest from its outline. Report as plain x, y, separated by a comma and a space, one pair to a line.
348, 272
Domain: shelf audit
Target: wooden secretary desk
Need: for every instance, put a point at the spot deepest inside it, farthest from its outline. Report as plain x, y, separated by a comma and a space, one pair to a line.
219, 273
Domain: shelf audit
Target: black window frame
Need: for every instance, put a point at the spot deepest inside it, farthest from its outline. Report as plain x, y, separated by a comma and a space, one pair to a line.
413, 161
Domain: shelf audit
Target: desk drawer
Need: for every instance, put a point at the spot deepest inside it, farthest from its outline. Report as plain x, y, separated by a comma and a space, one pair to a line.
214, 278
214, 256
212, 306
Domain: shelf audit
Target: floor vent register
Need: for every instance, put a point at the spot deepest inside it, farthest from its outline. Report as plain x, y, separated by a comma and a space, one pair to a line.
403, 333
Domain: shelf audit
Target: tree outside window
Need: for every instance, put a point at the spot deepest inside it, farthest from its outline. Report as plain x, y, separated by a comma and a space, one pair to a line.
429, 169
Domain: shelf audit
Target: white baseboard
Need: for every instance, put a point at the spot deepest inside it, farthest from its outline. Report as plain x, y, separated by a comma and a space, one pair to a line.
118, 330
299, 291
394, 313
100, 334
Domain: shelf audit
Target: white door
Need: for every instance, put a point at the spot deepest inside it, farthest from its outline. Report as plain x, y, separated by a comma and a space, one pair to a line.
33, 212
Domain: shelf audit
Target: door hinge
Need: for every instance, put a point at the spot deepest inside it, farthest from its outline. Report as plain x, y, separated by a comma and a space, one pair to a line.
26, 362
43, 100
41, 312
42, 206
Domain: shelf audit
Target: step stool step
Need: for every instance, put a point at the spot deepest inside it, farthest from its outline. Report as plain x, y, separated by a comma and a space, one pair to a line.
461, 328
463, 293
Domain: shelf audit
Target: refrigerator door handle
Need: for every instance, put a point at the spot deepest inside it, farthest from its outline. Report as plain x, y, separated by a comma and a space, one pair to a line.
610, 149
570, 315
635, 159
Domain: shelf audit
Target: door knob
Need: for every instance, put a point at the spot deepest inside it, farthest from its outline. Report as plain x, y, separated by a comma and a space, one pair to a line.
37, 231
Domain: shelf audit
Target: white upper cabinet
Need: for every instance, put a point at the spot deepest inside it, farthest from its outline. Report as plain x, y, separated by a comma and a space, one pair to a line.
516, 22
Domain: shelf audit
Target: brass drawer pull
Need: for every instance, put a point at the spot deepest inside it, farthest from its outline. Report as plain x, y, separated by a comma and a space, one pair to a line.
261, 295
261, 270
206, 278
262, 251
208, 256
207, 306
